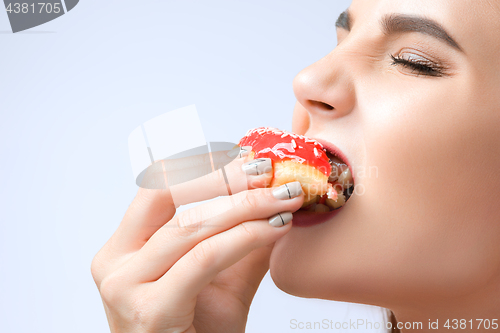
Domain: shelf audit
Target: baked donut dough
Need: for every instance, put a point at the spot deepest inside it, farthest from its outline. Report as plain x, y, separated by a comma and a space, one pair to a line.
296, 158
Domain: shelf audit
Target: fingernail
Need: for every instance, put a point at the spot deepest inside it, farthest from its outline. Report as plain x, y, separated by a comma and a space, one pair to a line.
288, 191
258, 166
245, 150
239, 151
280, 219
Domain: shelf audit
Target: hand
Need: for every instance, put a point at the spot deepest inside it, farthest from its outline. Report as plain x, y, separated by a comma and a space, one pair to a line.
197, 271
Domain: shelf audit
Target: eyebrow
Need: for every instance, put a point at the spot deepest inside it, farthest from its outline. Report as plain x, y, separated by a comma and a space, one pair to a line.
406, 23
397, 23
344, 21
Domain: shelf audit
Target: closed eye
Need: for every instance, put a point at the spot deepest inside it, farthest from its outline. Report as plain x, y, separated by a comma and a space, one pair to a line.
420, 67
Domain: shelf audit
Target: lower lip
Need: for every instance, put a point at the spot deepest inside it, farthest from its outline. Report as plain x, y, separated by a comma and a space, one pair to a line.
303, 218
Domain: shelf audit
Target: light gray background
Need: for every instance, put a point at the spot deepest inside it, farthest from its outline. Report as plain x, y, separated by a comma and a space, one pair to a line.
73, 89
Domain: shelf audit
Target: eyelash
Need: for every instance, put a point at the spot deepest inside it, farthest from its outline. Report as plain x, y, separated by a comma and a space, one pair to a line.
426, 68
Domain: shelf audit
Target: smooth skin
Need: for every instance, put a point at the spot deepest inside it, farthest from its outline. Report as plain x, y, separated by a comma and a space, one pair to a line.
196, 271
420, 236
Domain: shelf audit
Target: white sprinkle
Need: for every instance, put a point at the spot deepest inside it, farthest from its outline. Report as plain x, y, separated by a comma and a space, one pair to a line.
284, 134
316, 152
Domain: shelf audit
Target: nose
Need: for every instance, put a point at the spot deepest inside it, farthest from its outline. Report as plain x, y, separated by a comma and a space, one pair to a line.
326, 87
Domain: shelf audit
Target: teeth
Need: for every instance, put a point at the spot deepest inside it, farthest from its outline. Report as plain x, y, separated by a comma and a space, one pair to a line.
312, 200
320, 208
345, 178
337, 167
336, 203
334, 175
312, 208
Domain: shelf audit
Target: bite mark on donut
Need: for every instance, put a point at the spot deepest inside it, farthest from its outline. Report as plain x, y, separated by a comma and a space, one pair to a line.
299, 158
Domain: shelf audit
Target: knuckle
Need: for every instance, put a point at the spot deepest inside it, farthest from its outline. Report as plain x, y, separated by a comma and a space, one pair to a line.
97, 268
159, 201
185, 225
203, 255
248, 232
252, 200
112, 289
217, 180
188, 217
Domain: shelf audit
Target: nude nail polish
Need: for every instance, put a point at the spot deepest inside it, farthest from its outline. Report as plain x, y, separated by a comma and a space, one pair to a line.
288, 191
245, 150
257, 167
239, 152
280, 219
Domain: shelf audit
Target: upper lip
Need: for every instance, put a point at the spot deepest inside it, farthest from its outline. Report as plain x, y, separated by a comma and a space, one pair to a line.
337, 152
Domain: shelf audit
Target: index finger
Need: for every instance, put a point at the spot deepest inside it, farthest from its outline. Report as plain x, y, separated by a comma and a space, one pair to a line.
227, 180
152, 208
205, 176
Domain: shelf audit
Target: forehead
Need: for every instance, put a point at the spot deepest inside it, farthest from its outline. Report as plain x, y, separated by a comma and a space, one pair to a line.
474, 24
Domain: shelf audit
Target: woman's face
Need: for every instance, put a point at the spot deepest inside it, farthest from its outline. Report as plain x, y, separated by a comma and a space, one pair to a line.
422, 135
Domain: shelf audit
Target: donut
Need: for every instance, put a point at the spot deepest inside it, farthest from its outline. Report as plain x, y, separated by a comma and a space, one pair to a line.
298, 158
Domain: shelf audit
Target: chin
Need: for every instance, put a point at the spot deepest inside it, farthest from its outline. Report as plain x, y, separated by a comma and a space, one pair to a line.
331, 261
284, 275
293, 278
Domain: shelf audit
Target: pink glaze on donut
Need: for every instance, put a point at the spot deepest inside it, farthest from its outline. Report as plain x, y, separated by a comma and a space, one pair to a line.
279, 145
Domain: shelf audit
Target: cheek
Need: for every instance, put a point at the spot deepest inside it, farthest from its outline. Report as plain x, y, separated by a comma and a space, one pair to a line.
437, 187
425, 224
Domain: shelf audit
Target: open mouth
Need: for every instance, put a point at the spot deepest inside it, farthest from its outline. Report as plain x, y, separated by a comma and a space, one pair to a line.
340, 184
